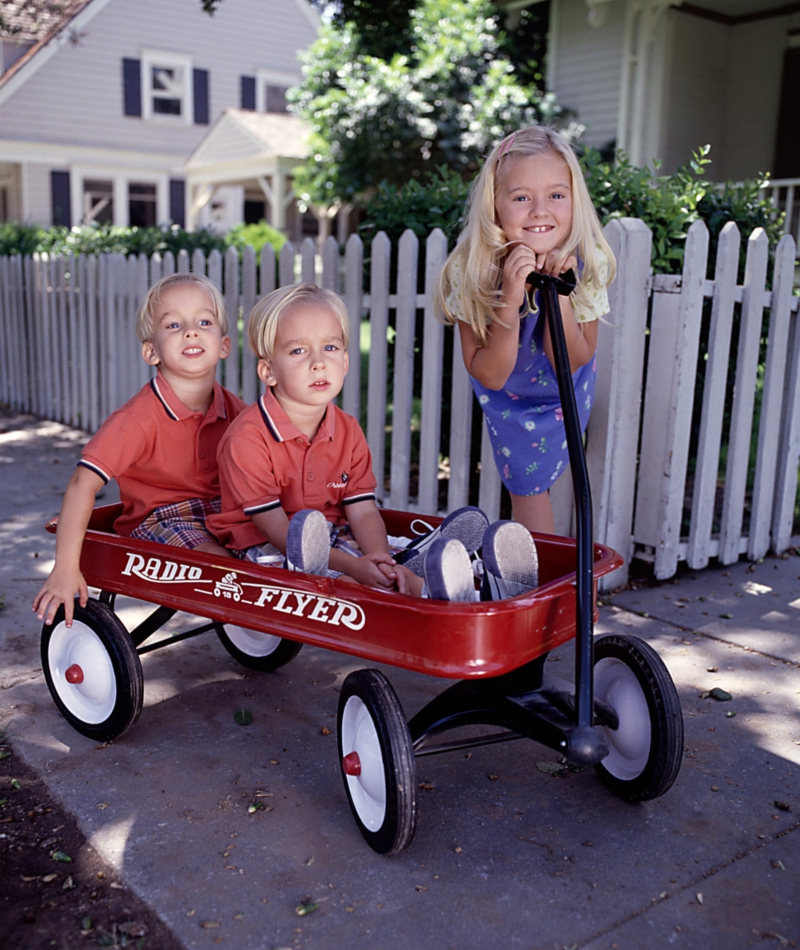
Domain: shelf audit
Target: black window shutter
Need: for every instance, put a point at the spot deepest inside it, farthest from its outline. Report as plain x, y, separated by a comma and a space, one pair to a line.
177, 201
60, 195
248, 96
200, 79
132, 86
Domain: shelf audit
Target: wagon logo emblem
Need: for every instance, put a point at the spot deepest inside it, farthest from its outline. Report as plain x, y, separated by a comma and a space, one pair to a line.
160, 572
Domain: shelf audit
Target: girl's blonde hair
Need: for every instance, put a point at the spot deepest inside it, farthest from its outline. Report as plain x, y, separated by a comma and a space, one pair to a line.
262, 326
144, 315
469, 281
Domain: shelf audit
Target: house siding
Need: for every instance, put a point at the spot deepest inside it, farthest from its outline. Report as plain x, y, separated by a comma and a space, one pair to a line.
588, 71
77, 98
695, 92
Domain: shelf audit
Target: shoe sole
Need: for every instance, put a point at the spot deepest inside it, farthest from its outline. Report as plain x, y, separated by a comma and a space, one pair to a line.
308, 543
509, 553
448, 571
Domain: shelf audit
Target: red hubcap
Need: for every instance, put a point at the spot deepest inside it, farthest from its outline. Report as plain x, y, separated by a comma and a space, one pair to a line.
74, 674
351, 764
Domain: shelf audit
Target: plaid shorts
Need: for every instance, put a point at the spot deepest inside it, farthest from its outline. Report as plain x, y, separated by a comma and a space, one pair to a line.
182, 524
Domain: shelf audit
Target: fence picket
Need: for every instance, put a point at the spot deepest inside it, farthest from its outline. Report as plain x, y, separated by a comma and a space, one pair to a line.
286, 264
183, 265
6, 329
460, 429
403, 388
308, 261
716, 383
769, 431
380, 251
233, 378
330, 263
432, 365
353, 293
249, 295
730, 539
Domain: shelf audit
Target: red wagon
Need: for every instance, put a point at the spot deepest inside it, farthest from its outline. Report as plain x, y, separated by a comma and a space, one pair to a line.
621, 716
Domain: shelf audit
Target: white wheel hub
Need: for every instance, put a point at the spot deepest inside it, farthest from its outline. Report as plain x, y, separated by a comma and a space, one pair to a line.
92, 696
616, 685
252, 642
367, 790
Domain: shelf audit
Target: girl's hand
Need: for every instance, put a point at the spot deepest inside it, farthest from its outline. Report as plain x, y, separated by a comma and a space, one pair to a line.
519, 263
61, 587
555, 263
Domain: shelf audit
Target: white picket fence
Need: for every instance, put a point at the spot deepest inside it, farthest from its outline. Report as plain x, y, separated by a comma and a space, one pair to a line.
68, 352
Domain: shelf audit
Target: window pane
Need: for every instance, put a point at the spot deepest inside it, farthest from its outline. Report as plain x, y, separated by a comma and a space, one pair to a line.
98, 201
168, 89
141, 205
276, 98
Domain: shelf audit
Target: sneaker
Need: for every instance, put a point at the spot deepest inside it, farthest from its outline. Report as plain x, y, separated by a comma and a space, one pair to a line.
510, 561
448, 570
308, 543
467, 525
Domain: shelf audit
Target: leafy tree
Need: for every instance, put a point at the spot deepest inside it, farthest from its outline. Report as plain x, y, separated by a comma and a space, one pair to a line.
446, 102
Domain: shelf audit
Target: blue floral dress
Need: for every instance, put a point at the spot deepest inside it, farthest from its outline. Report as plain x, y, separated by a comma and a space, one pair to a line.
525, 419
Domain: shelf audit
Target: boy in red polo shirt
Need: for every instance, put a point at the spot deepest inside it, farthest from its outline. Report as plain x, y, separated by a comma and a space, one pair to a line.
161, 446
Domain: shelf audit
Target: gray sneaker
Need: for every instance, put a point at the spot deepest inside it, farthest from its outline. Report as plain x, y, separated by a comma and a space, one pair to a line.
467, 524
308, 543
448, 570
510, 561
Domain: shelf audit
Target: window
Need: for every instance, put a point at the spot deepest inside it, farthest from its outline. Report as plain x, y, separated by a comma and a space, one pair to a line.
98, 201
275, 98
142, 205
271, 89
167, 87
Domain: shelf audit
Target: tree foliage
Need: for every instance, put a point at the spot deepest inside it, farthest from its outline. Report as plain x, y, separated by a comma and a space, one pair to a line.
445, 102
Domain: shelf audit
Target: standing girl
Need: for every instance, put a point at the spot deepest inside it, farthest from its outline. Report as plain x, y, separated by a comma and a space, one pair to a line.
529, 211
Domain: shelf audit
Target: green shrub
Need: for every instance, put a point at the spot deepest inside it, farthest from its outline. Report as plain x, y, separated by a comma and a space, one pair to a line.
669, 204
256, 236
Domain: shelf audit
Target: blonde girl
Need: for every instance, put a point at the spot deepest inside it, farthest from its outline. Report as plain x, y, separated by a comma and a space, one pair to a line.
529, 210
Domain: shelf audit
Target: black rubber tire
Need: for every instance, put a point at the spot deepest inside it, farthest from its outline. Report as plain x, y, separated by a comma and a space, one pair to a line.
647, 749
257, 651
109, 699
371, 720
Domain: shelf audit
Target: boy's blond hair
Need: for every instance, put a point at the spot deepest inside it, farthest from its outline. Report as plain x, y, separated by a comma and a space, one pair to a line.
262, 326
469, 282
144, 316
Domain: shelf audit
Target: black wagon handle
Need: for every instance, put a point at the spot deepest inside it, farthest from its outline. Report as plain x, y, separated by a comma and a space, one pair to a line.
551, 288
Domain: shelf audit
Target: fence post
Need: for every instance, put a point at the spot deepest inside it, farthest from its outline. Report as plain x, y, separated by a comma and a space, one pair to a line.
769, 427
613, 431
730, 535
672, 361
786, 480
714, 391
403, 382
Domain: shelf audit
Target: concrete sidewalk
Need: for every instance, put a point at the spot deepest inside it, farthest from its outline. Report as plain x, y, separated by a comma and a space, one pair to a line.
505, 855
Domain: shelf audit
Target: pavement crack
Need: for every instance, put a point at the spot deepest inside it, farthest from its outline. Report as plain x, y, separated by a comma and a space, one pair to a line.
704, 876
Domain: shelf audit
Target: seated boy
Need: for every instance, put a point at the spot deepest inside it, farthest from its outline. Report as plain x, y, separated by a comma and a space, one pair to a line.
161, 446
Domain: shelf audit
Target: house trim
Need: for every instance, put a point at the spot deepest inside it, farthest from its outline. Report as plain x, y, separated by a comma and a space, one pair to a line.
41, 52
120, 177
733, 20
154, 57
61, 155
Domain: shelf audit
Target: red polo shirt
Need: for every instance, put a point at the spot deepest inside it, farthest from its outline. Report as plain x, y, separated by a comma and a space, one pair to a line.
265, 462
160, 452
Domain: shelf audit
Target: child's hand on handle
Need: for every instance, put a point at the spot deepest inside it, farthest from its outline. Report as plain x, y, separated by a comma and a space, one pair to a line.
61, 587
554, 263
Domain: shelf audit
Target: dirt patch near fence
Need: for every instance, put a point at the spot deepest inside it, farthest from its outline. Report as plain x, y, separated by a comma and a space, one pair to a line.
57, 892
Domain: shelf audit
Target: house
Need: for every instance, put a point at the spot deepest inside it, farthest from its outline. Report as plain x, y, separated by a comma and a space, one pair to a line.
103, 102
658, 78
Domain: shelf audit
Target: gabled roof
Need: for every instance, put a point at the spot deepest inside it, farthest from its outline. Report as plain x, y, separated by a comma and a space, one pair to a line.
239, 134
36, 22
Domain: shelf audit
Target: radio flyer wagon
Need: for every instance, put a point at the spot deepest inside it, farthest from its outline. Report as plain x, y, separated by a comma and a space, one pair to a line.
621, 716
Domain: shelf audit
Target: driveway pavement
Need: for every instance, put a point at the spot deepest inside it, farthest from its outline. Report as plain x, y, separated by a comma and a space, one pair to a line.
506, 854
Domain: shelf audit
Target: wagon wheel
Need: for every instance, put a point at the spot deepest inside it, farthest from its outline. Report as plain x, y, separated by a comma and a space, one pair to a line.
257, 651
93, 671
378, 764
646, 749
